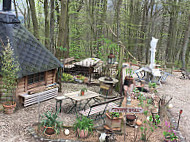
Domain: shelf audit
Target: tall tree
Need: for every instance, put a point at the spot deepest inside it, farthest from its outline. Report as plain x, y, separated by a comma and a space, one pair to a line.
34, 18
52, 25
47, 31
14, 1
63, 36
185, 44
172, 31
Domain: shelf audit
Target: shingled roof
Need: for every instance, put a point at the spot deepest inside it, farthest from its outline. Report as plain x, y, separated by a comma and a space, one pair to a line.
32, 56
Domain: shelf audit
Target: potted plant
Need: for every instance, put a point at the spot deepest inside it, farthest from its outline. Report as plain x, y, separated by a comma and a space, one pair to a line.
170, 136
82, 91
129, 76
152, 87
9, 71
83, 126
113, 119
51, 123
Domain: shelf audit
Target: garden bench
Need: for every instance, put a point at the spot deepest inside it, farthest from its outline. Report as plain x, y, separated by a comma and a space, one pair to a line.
98, 110
27, 99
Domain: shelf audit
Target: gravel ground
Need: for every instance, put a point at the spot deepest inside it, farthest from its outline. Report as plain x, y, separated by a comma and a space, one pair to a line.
179, 90
13, 128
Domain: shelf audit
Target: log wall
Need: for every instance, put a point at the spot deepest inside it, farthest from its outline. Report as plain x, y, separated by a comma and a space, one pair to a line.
23, 87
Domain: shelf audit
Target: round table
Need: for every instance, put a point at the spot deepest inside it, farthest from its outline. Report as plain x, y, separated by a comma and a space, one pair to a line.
109, 84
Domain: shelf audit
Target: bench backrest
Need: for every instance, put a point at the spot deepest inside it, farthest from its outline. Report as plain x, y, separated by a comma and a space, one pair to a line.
107, 102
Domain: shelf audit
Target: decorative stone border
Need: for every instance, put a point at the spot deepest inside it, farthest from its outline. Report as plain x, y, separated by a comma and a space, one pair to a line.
33, 133
174, 124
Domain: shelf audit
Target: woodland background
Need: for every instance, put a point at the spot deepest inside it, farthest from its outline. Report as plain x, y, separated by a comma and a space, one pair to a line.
94, 28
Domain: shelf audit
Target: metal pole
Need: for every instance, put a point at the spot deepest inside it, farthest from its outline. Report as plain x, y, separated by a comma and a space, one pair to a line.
38, 108
179, 119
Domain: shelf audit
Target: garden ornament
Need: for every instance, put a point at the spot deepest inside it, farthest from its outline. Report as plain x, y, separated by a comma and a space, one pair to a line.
153, 50
102, 137
170, 106
66, 132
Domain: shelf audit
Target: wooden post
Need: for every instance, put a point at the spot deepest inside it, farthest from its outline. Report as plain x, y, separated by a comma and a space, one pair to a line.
59, 74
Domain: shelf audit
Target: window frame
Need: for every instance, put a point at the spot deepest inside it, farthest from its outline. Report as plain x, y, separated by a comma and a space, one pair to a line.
35, 80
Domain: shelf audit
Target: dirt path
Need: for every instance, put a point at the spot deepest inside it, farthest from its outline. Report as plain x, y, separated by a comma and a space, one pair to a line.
180, 91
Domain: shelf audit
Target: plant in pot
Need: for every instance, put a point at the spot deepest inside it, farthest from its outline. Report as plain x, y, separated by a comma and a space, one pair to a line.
169, 135
82, 91
152, 87
113, 119
9, 71
83, 126
129, 76
51, 123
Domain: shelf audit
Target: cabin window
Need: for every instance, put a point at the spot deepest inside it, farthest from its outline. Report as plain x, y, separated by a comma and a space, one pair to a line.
34, 78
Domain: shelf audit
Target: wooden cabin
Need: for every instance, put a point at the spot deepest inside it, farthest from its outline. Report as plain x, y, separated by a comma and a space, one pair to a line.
38, 66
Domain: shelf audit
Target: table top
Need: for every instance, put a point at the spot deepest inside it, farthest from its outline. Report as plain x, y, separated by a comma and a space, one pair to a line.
88, 62
76, 95
102, 79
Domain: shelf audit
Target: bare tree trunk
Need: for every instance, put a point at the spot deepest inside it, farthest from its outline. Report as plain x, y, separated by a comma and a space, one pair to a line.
63, 36
34, 18
185, 44
57, 10
28, 14
52, 26
46, 13
14, 1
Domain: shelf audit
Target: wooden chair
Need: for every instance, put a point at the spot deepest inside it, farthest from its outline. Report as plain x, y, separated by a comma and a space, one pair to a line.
104, 89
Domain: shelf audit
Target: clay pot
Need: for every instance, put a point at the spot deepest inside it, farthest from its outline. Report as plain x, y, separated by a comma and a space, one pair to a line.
129, 79
130, 117
9, 107
82, 93
49, 130
85, 80
82, 133
139, 123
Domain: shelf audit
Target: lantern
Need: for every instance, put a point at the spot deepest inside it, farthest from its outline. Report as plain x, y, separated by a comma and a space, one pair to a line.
111, 58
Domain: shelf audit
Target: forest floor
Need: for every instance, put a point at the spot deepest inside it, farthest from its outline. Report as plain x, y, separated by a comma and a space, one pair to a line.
13, 128
179, 90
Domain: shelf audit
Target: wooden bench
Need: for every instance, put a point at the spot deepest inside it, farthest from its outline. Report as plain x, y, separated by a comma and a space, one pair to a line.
98, 110
27, 99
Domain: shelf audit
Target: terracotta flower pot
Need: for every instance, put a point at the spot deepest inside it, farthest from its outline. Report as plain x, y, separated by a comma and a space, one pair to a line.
130, 79
82, 93
49, 130
9, 107
82, 133
113, 122
86, 80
